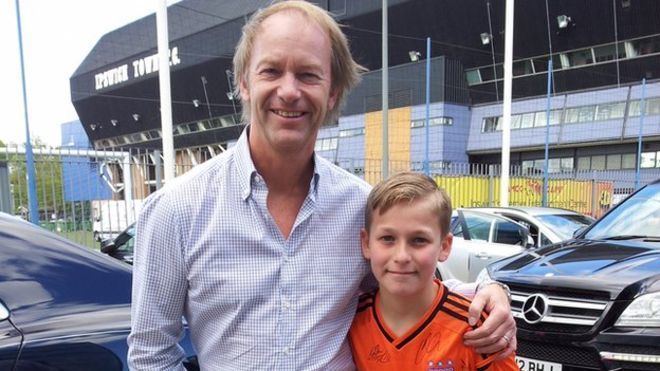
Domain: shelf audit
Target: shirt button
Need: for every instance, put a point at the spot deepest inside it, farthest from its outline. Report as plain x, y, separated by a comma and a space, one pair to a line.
286, 258
286, 350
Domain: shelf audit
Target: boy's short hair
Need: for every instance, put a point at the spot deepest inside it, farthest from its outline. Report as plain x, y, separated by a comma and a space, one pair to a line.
408, 187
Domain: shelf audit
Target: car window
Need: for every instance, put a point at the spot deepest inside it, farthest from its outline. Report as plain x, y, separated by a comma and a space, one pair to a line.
478, 226
638, 215
533, 229
509, 233
564, 225
127, 246
545, 241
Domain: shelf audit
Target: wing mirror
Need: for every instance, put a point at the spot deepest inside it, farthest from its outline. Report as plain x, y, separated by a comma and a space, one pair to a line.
579, 231
530, 242
108, 246
4, 312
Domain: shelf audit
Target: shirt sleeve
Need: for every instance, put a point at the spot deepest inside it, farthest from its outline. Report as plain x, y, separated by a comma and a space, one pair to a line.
159, 289
466, 289
506, 364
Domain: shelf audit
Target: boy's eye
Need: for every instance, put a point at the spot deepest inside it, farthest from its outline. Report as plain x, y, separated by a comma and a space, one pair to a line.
420, 241
387, 239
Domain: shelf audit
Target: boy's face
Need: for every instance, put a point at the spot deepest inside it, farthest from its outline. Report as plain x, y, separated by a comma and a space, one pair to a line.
404, 245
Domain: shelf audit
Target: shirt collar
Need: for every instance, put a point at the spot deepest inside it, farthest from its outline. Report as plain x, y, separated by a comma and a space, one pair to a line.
247, 172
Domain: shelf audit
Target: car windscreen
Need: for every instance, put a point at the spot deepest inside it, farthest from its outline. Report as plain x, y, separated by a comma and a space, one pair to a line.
565, 224
637, 217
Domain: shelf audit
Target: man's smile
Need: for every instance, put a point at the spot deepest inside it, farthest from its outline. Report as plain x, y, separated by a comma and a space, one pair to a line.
288, 114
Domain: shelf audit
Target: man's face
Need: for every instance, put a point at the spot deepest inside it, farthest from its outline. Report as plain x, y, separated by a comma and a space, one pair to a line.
288, 84
403, 246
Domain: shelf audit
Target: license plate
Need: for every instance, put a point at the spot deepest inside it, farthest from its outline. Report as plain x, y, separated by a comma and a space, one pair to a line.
528, 364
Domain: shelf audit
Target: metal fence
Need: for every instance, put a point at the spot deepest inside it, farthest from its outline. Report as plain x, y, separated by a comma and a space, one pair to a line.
88, 195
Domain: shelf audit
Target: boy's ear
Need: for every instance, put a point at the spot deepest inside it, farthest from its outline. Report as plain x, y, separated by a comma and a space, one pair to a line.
364, 240
446, 247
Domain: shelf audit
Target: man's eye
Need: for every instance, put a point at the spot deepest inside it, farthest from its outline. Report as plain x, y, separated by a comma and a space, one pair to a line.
309, 76
268, 71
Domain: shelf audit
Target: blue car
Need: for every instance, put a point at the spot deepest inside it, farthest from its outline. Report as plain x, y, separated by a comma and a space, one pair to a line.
62, 306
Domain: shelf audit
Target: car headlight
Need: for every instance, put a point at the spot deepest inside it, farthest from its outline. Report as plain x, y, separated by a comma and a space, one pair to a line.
642, 312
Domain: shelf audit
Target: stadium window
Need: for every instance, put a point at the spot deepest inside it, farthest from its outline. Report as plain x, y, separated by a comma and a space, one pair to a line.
528, 166
417, 123
540, 64
337, 7
527, 120
473, 77
586, 113
614, 162
489, 124
653, 106
515, 121
647, 45
487, 73
444, 120
351, 132
608, 52
572, 115
567, 164
540, 119
523, 67
598, 162
555, 117
584, 163
628, 161
577, 58
648, 160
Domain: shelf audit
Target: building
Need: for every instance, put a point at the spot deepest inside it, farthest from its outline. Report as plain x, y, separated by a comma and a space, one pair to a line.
601, 50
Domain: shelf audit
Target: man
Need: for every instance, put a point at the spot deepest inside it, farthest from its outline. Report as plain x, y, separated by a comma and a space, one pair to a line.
259, 248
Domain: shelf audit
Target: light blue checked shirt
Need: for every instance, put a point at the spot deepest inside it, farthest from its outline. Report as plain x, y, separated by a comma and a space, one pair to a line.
207, 248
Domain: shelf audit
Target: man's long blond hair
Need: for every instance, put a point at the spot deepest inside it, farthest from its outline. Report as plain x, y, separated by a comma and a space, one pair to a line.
345, 71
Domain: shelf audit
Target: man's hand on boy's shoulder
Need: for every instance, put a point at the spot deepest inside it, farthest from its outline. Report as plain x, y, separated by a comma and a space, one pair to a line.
498, 332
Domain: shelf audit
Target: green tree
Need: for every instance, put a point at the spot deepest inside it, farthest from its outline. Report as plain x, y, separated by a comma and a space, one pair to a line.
48, 169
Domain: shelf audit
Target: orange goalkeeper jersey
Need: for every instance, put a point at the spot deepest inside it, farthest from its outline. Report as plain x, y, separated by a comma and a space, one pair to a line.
435, 343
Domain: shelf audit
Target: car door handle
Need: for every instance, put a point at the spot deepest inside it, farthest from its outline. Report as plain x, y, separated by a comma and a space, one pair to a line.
482, 255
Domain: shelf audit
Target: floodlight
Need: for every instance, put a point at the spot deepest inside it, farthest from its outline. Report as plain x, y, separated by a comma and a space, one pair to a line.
414, 55
486, 38
563, 21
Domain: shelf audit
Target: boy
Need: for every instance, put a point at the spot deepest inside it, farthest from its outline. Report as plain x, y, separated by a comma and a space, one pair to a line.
412, 322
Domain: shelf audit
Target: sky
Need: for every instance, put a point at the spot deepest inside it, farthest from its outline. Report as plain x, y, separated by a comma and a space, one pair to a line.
57, 36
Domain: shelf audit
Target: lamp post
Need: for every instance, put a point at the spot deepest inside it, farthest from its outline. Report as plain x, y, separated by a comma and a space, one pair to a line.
427, 169
33, 203
642, 112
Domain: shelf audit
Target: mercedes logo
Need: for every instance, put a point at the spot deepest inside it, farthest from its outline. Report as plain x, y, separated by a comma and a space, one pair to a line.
535, 308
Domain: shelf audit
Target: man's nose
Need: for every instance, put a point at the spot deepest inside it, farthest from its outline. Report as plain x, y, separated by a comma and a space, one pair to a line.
289, 91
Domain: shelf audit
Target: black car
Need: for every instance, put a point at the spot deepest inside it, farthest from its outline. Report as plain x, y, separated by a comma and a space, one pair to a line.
121, 247
62, 306
592, 303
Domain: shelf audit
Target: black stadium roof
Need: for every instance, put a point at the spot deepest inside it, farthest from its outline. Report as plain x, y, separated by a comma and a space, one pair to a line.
184, 18
205, 33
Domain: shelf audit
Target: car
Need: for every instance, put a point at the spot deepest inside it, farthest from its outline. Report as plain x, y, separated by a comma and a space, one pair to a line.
121, 247
592, 302
63, 306
547, 225
479, 239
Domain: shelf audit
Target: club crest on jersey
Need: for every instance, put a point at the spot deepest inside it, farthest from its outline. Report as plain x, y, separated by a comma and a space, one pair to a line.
441, 366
